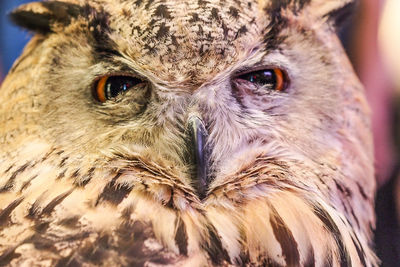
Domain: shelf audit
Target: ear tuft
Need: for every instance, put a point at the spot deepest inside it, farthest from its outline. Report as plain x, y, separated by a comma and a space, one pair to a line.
339, 17
40, 16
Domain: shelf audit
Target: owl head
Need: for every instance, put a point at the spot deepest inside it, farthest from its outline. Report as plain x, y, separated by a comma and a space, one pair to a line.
221, 102
205, 86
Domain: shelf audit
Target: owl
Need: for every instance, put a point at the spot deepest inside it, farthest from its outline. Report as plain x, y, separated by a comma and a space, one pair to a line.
185, 133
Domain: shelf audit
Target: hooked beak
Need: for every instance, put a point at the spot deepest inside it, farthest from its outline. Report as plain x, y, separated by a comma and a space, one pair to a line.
198, 138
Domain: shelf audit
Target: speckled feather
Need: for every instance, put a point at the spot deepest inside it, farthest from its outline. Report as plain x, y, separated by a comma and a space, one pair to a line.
90, 184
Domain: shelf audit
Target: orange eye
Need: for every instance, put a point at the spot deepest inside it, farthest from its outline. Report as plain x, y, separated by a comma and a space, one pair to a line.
273, 79
280, 80
109, 87
100, 92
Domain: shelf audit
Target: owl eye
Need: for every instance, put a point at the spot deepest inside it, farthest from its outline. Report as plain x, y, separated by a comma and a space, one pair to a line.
273, 79
109, 87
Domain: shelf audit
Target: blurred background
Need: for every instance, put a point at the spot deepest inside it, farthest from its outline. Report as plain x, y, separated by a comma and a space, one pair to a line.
12, 39
372, 40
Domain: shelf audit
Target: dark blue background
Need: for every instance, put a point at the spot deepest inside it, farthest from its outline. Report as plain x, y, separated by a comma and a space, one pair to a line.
12, 38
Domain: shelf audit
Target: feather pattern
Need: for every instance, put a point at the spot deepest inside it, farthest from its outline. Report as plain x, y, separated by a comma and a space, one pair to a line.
84, 183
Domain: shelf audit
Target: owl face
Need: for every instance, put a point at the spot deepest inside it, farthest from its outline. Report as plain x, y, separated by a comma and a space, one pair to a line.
221, 102
188, 60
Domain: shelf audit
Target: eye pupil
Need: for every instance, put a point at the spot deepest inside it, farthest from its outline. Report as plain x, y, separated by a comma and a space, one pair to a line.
260, 77
272, 79
109, 87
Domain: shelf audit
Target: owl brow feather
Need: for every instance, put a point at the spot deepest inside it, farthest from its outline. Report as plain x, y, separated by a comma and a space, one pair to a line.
99, 23
272, 34
278, 5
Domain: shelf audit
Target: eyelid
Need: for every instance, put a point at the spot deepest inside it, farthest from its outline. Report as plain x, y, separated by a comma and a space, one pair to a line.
247, 70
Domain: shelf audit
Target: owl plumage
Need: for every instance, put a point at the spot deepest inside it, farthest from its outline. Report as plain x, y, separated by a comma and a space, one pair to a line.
194, 165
